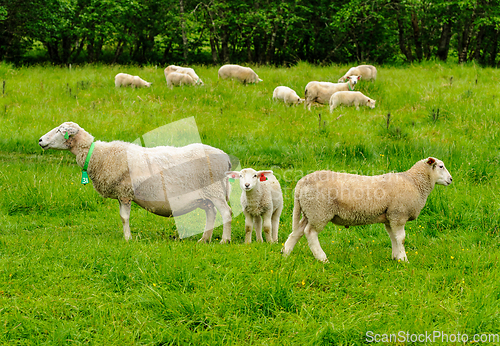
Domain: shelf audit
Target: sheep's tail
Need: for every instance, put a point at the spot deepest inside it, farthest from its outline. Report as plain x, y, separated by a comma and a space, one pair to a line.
297, 211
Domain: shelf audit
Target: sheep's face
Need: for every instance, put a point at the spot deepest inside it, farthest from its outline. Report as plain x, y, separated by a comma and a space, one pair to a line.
441, 174
353, 80
249, 178
371, 103
59, 137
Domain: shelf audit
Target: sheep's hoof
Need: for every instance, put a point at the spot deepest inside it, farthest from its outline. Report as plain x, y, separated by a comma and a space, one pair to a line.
225, 241
203, 240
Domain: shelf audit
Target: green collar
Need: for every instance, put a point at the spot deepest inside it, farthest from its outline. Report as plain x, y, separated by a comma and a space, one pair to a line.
349, 86
85, 176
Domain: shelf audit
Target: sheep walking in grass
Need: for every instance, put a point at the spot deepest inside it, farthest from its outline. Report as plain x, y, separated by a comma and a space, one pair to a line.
124, 79
352, 200
262, 202
167, 181
286, 95
350, 98
184, 70
367, 72
244, 75
179, 79
321, 92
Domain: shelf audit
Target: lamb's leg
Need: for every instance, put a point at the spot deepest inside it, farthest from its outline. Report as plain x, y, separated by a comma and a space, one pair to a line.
397, 234
211, 213
312, 238
257, 221
294, 237
267, 217
249, 227
226, 213
125, 206
275, 220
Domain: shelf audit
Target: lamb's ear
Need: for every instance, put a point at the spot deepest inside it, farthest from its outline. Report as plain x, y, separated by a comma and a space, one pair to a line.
359, 77
431, 161
68, 130
264, 175
233, 174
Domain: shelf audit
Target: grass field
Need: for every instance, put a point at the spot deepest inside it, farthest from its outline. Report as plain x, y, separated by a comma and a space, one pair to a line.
67, 276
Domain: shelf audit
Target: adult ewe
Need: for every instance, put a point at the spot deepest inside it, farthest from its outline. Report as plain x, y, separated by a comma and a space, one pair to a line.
350, 98
352, 200
243, 74
166, 181
286, 95
367, 72
179, 79
262, 200
124, 79
185, 70
321, 92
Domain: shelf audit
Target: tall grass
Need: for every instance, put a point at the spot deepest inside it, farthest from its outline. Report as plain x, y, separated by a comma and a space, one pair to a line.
68, 277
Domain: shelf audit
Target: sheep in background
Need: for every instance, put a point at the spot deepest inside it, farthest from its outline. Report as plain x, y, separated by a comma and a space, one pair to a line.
353, 200
286, 95
243, 74
350, 98
124, 79
186, 70
166, 181
174, 78
367, 72
262, 200
321, 92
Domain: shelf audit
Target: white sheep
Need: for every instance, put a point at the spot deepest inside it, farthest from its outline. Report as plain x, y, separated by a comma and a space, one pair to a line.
124, 79
352, 200
175, 78
262, 202
350, 98
166, 181
367, 72
243, 74
186, 70
321, 92
287, 95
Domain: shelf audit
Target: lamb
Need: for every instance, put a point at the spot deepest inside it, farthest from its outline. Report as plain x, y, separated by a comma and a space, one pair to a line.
186, 70
124, 79
175, 78
367, 72
243, 74
286, 95
261, 199
166, 181
321, 92
350, 98
352, 200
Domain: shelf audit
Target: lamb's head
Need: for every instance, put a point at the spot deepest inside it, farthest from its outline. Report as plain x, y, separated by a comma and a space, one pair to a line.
439, 173
60, 137
249, 178
371, 103
353, 80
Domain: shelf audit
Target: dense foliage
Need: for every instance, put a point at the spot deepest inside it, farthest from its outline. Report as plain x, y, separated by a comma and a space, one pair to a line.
259, 32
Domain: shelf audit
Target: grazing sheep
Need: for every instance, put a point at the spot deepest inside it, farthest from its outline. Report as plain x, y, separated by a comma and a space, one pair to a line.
321, 92
175, 78
166, 181
352, 200
350, 98
186, 70
124, 79
261, 199
286, 95
367, 72
244, 74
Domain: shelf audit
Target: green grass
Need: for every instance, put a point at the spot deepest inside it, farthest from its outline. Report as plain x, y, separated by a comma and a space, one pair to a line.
68, 277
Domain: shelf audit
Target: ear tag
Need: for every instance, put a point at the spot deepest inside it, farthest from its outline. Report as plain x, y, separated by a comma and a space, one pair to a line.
85, 178
66, 135
232, 178
263, 177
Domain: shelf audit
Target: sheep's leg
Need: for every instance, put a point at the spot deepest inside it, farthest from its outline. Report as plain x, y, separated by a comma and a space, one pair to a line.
275, 220
125, 206
257, 221
211, 213
225, 211
294, 237
397, 234
268, 226
314, 245
248, 227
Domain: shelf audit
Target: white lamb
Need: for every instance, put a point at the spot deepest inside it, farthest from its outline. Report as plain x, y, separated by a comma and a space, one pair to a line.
321, 92
124, 79
350, 98
243, 74
367, 72
178, 79
351, 200
261, 199
286, 95
166, 181
186, 70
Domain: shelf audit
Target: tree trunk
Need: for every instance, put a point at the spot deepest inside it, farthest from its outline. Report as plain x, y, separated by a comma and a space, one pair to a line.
444, 42
224, 44
118, 51
416, 36
183, 30
401, 33
494, 48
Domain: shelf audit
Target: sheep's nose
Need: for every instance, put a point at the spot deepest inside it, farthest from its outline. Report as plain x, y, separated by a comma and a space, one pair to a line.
40, 140
247, 184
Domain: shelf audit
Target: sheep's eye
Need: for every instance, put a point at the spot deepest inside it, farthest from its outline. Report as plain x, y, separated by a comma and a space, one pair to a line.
441, 166
255, 176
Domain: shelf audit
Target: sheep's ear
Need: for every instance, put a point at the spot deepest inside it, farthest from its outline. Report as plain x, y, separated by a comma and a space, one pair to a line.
359, 77
68, 130
431, 161
264, 175
233, 174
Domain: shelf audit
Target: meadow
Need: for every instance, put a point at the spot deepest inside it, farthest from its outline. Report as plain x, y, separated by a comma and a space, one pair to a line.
68, 277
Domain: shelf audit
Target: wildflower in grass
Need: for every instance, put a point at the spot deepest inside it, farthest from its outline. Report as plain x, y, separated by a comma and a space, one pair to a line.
452, 257
303, 282
272, 271
416, 252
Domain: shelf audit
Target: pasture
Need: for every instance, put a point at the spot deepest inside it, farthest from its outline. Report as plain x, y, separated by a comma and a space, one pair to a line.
68, 277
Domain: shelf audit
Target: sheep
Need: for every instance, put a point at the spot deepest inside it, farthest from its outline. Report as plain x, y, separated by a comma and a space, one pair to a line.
321, 92
124, 79
367, 72
286, 95
186, 70
167, 181
350, 98
243, 74
175, 78
352, 200
261, 200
